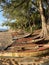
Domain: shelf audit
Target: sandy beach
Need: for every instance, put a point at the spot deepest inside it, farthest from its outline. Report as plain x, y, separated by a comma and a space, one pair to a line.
5, 39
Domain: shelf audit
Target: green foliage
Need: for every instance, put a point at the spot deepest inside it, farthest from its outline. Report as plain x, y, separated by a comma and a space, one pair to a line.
12, 25
22, 12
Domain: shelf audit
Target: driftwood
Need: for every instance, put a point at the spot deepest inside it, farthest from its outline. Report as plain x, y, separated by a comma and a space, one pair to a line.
31, 41
22, 36
36, 37
34, 40
27, 53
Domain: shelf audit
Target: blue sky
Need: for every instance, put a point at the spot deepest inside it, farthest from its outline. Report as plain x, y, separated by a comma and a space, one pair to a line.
2, 19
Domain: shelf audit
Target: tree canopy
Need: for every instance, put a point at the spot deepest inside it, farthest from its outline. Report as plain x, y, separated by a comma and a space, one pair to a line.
26, 12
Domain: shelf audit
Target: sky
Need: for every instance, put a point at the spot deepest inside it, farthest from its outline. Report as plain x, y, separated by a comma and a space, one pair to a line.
2, 19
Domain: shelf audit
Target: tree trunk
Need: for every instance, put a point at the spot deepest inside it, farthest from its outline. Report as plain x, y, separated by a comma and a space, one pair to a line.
34, 24
48, 10
43, 19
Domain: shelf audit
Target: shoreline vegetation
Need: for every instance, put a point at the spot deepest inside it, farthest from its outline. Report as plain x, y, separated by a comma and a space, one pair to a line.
28, 32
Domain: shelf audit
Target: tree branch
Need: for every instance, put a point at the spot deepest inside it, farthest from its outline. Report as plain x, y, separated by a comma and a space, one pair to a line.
1, 10
20, 3
35, 5
1, 5
24, 2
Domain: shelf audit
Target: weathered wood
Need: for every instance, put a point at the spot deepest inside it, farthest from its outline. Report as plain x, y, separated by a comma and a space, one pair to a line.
24, 54
36, 40
22, 36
